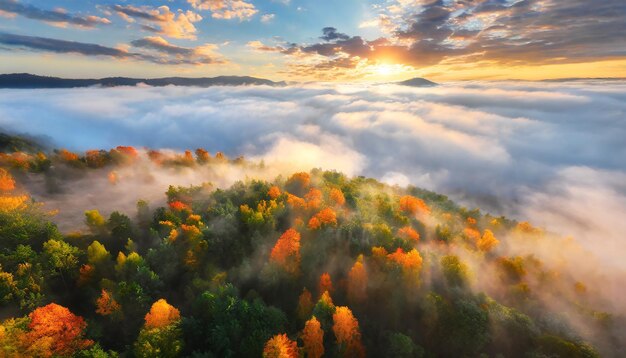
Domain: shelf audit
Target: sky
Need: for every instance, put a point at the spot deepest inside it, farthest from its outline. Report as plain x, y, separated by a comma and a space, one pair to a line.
316, 40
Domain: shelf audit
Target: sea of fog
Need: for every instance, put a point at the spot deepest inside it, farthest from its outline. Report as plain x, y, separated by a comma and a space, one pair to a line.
553, 153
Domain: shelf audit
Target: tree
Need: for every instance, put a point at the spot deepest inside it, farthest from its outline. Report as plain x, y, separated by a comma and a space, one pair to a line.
357, 281
347, 332
313, 338
298, 183
161, 335
222, 324
402, 346
273, 192
455, 271
286, 251
54, 330
336, 195
412, 205
305, 305
280, 346
408, 233
324, 310
325, 283
410, 262
313, 198
95, 221
202, 156
178, 205
61, 255
97, 253
161, 314
462, 327
324, 217
296, 202
487, 242
120, 227
106, 304
68, 156
6, 181
10, 203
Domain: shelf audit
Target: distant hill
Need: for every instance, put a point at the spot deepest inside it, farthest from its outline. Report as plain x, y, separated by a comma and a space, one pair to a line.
13, 143
417, 82
26, 80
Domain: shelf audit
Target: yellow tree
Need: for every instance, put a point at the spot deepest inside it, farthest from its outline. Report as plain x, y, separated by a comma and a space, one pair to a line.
487, 242
161, 314
161, 335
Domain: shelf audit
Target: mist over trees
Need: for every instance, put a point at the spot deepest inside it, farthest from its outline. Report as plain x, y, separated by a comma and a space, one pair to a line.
308, 264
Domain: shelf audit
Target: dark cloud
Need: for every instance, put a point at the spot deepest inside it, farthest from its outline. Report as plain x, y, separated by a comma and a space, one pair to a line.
62, 46
330, 34
54, 16
169, 54
158, 44
179, 54
144, 13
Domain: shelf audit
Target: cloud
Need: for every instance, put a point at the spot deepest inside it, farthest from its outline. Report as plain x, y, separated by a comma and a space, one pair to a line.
426, 33
267, 18
62, 46
553, 152
161, 20
226, 9
164, 53
204, 54
57, 17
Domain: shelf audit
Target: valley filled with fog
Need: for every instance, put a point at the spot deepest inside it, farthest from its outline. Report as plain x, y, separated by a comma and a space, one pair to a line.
549, 152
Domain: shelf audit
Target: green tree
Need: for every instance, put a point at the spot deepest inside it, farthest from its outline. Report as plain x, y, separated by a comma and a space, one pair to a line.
97, 253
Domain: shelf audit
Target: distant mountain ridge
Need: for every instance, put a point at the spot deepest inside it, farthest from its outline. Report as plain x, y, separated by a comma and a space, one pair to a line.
417, 82
27, 80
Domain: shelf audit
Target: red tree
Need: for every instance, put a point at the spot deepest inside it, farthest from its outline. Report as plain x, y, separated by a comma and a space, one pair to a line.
54, 330
286, 252
313, 338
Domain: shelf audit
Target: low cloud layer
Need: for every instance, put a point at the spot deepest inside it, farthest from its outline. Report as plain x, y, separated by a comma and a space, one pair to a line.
553, 153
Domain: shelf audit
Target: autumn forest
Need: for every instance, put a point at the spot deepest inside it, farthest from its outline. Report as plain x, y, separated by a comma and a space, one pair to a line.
296, 264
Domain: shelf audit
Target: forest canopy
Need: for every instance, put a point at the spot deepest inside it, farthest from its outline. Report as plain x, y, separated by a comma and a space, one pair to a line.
307, 264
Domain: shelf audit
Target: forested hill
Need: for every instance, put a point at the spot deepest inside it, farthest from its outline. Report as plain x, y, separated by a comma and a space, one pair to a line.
26, 80
306, 264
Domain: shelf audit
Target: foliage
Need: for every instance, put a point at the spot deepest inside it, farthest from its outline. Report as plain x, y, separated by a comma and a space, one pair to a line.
226, 272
